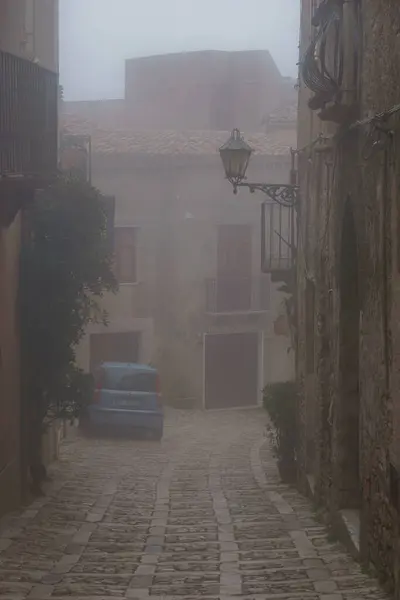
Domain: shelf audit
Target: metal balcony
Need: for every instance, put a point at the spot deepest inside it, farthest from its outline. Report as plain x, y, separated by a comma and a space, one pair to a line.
28, 120
237, 295
278, 239
76, 156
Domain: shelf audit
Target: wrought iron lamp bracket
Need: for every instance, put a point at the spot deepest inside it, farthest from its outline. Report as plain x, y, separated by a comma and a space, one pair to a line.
284, 194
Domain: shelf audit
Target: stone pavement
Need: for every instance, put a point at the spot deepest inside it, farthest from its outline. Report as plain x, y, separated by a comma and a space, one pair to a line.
194, 516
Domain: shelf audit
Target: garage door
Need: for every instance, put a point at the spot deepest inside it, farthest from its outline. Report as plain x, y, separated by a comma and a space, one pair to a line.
231, 370
114, 347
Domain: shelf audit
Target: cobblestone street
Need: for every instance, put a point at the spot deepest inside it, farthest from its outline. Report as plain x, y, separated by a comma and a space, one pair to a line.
193, 516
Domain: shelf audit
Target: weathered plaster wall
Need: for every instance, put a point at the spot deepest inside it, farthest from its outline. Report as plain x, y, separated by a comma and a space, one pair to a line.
202, 90
177, 207
29, 28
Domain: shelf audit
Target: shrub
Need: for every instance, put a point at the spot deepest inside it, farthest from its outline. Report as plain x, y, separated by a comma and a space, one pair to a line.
280, 402
66, 267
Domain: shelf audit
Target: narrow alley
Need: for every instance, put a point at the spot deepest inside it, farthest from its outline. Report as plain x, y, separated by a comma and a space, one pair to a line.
194, 516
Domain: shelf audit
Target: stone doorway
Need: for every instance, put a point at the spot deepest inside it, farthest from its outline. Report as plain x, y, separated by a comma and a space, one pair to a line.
348, 424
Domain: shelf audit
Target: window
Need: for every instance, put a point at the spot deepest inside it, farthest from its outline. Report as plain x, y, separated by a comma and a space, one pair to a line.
139, 382
125, 254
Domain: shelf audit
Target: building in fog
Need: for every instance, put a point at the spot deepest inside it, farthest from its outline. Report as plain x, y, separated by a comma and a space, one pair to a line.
192, 299
349, 263
28, 94
202, 91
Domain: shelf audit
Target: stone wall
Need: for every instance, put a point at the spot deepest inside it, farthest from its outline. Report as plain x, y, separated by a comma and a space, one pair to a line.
350, 199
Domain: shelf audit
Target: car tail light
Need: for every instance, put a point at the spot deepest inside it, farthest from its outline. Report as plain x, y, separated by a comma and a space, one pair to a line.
99, 379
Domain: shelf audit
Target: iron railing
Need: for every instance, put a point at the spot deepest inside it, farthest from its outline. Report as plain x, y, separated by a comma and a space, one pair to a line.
76, 156
28, 118
322, 65
237, 294
278, 237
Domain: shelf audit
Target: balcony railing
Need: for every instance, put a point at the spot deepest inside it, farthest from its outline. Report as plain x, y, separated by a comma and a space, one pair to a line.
28, 118
278, 238
237, 295
76, 156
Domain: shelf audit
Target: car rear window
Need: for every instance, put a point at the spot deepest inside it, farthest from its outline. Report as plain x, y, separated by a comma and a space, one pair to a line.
138, 382
123, 379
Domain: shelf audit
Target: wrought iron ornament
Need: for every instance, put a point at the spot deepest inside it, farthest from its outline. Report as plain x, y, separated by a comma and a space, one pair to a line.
284, 194
235, 155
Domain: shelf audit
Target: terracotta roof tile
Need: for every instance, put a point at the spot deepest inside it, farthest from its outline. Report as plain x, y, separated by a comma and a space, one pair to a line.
106, 141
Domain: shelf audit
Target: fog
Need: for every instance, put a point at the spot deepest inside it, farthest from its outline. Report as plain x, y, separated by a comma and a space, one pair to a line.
97, 35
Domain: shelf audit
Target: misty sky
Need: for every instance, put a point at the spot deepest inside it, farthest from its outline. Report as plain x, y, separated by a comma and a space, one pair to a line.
97, 35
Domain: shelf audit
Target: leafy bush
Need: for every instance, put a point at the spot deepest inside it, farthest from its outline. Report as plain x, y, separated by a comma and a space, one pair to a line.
280, 402
66, 267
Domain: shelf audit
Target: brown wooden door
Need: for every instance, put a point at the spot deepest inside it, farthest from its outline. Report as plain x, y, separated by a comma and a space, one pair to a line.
231, 370
114, 347
234, 268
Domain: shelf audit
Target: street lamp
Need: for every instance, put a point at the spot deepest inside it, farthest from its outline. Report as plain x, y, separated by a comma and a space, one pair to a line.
235, 155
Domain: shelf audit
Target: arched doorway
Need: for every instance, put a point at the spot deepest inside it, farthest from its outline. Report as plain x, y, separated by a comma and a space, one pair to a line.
348, 424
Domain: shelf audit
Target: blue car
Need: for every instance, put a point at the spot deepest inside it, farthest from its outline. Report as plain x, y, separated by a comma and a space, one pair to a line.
127, 396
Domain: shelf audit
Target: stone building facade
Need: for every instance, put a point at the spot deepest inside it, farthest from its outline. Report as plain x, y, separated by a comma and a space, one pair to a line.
191, 296
348, 270
172, 197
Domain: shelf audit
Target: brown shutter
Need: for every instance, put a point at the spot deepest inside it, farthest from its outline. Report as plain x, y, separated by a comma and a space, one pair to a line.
125, 254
